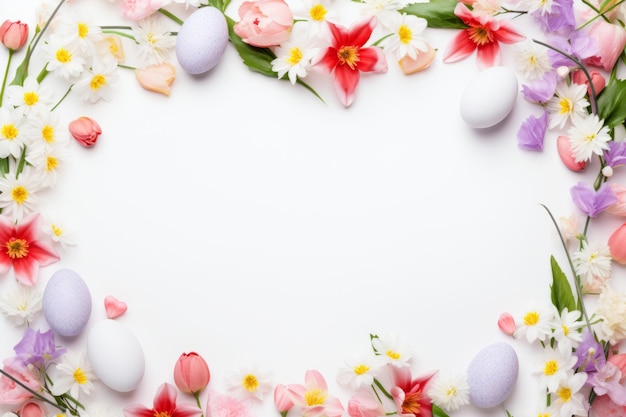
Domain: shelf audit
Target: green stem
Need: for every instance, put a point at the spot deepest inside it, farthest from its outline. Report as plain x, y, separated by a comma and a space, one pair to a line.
62, 98
382, 389
171, 16
126, 67
196, 395
35, 394
124, 34
6, 73
43, 73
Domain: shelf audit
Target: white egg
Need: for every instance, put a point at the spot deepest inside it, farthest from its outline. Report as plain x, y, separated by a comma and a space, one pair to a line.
489, 97
201, 40
66, 303
115, 355
492, 375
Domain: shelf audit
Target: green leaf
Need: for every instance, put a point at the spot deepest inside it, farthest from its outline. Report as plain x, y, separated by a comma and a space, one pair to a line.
560, 290
611, 103
438, 13
438, 412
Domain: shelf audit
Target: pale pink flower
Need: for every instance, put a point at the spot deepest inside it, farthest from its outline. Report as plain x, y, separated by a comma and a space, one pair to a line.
313, 398
137, 9
365, 404
604, 407
264, 23
223, 405
611, 40
12, 393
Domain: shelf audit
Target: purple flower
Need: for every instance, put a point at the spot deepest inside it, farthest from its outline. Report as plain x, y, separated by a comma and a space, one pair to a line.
592, 202
577, 43
532, 132
561, 16
590, 355
606, 381
37, 348
616, 154
540, 91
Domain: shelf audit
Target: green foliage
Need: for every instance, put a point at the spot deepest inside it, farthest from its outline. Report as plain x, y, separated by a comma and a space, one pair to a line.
611, 103
438, 412
560, 290
438, 13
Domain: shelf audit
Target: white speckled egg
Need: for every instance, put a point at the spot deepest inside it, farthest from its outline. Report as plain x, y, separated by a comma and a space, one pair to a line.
489, 97
115, 355
202, 40
66, 303
492, 375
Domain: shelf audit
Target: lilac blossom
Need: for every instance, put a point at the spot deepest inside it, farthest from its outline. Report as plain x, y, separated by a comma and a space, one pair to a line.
37, 348
590, 201
532, 132
560, 17
590, 355
607, 382
616, 154
541, 90
577, 43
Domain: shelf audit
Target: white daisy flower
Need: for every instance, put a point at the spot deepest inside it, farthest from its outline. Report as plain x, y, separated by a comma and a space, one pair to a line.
568, 103
294, 57
593, 263
21, 303
393, 350
569, 399
566, 331
64, 59
588, 136
12, 133
314, 15
155, 41
360, 371
73, 375
384, 10
28, 97
611, 310
80, 31
45, 129
531, 60
406, 39
19, 195
554, 368
47, 161
95, 84
57, 231
450, 391
536, 324
249, 381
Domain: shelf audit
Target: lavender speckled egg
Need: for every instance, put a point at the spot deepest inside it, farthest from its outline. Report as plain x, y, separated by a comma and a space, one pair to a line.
492, 375
115, 355
66, 303
202, 40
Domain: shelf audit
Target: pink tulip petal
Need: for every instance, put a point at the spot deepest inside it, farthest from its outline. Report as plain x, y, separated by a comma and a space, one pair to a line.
114, 307
460, 48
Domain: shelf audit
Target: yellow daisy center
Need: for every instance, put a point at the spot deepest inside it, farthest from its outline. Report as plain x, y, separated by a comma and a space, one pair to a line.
80, 376
393, 354
17, 248
250, 383
564, 393
531, 318
51, 163
314, 397
56, 230
23, 306
295, 56
451, 392
361, 369
565, 330
565, 106
551, 367
348, 55
19, 194
30, 98
405, 34
318, 13
47, 133
63, 55
97, 82
9, 131
83, 30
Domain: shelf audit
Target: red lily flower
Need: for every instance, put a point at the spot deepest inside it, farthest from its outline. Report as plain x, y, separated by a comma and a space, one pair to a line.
483, 34
21, 249
411, 395
164, 405
347, 58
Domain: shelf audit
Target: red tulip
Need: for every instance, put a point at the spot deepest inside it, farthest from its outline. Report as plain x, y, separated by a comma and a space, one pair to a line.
617, 244
85, 130
191, 373
13, 35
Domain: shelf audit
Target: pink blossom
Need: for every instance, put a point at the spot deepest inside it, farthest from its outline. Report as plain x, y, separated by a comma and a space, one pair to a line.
138, 9
364, 404
611, 40
603, 406
164, 404
411, 394
85, 130
157, 77
597, 79
282, 400
31, 409
506, 323
13, 35
222, 405
313, 398
606, 381
12, 393
264, 23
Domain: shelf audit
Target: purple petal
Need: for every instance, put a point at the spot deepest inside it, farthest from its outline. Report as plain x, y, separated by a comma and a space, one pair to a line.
531, 133
540, 91
592, 202
616, 154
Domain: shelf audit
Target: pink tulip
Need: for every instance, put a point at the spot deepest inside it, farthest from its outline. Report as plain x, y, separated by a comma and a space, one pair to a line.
506, 323
85, 130
282, 400
619, 207
158, 77
617, 244
13, 35
12, 393
597, 79
191, 373
31, 409
264, 23
611, 40
564, 149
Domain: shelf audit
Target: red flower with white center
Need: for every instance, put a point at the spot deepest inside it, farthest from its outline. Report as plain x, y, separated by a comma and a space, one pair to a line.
21, 248
411, 395
484, 34
347, 58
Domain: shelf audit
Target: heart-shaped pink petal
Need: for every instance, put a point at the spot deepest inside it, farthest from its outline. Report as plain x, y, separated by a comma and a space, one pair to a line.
506, 323
114, 307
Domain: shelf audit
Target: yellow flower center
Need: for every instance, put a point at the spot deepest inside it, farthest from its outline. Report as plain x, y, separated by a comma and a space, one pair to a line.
63, 55
565, 106
295, 56
83, 30
361, 368
564, 393
348, 55
161, 414
98, 81
56, 230
543, 415
23, 306
551, 367
590, 138
405, 34
80, 376
451, 392
250, 383
531, 318
318, 13
19, 194
30, 98
480, 36
565, 330
314, 397
9, 131
47, 133
17, 248
51, 163
393, 354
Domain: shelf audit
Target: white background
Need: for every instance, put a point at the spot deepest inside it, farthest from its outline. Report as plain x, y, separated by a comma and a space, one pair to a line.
241, 217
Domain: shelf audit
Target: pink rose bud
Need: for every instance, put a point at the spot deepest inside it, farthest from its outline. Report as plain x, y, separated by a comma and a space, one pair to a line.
157, 77
31, 409
282, 400
617, 244
597, 79
264, 23
85, 130
506, 323
564, 149
191, 373
13, 34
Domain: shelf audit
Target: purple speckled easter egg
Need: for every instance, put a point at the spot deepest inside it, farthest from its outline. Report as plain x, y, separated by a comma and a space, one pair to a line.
202, 40
492, 375
66, 303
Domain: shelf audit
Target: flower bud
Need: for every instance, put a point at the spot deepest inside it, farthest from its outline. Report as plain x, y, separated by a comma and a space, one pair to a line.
564, 149
562, 71
157, 77
282, 399
617, 244
13, 35
191, 373
85, 130
597, 79
31, 409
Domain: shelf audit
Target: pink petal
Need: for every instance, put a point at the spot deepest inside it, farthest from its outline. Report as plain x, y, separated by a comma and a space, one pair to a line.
26, 270
460, 48
488, 55
345, 83
361, 32
372, 60
165, 399
138, 411
114, 307
507, 34
314, 379
28, 228
506, 323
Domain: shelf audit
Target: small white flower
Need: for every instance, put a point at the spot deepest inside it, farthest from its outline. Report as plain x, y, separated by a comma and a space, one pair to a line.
249, 382
360, 371
406, 39
536, 324
593, 264
531, 60
393, 350
28, 97
19, 195
47, 161
13, 130
568, 103
566, 332
450, 391
57, 232
554, 368
611, 310
95, 83
315, 15
21, 304
64, 59
588, 136
384, 10
568, 399
294, 57
74, 375
155, 41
